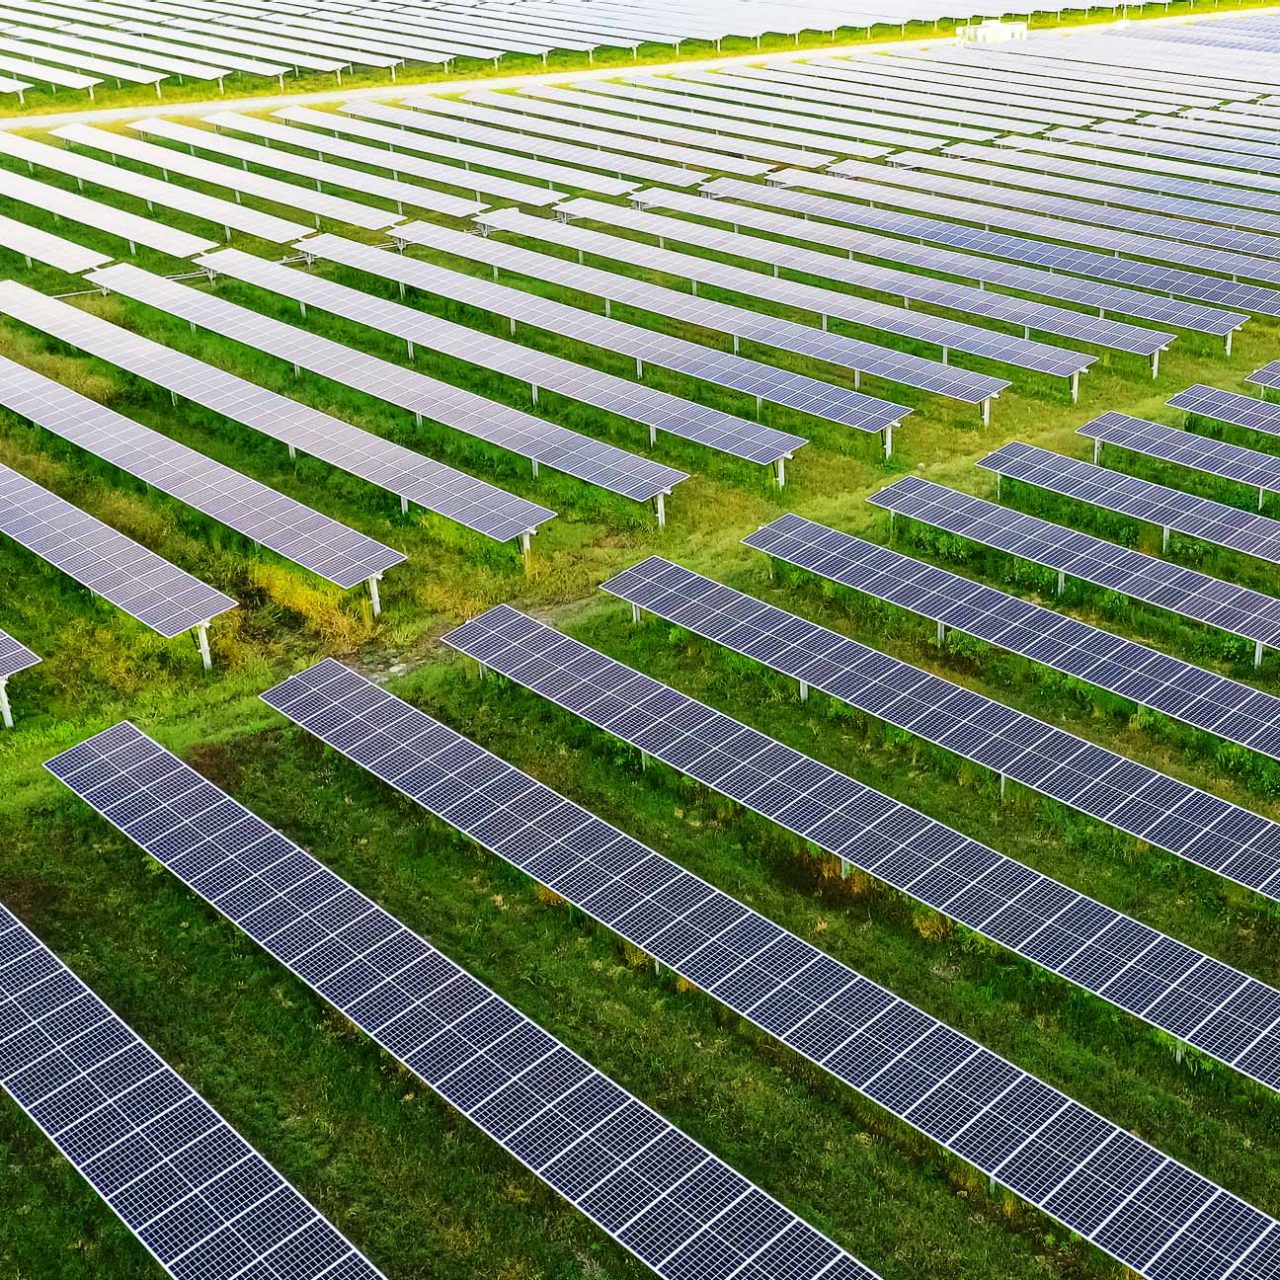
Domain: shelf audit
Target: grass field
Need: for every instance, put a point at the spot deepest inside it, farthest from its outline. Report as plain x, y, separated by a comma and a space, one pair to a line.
410, 1181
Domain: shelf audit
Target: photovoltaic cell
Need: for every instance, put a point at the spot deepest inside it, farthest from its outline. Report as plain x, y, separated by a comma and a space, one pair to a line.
1134, 671
1237, 610
1185, 513
646, 346
413, 477
1230, 406
272, 519
1039, 918
666, 1199
1078, 1167
453, 406
159, 594
201, 1200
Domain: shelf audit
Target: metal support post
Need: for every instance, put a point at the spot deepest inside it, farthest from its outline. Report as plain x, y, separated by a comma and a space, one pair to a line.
887, 436
942, 632
202, 639
1164, 539
804, 690
661, 502
782, 472
6, 713
1075, 388
635, 614
373, 594
1062, 581
1257, 654
526, 548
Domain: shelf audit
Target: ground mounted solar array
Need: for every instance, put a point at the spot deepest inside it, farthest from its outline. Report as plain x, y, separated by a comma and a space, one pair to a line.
669, 1201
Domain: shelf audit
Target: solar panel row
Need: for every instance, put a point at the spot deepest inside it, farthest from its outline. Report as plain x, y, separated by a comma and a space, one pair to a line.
1095, 1179
201, 1200
463, 410
1171, 509
666, 1199
411, 476
721, 368
1134, 671
272, 519
1230, 407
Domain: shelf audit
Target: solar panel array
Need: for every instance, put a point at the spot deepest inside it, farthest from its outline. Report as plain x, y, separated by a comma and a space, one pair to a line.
1260, 471
1230, 407
619, 152
321, 171
234, 178
988, 164
1045, 261
647, 347
1237, 610
278, 522
787, 335
1185, 513
159, 594
911, 287
1134, 671
944, 1084
1031, 914
1173, 280
413, 477
462, 410
591, 460
945, 333
666, 1199
400, 140
858, 186
200, 1199
1154, 144
54, 202
1138, 800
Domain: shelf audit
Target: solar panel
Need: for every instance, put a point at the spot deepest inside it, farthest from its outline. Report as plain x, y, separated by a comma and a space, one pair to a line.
1208, 145
232, 177
564, 450
1237, 610
280, 523
36, 244
201, 1200
948, 334
871, 413
613, 468
158, 594
1266, 377
39, 73
1193, 246
928, 112
1134, 671
973, 885
1170, 509
147, 43
565, 107
1230, 407
1259, 471
208, 38
1220, 128
918, 96
714, 93
318, 171
14, 657
618, 152
721, 368
64, 46
411, 476
1243, 187
1220, 203
400, 140
1122, 145
1039, 253
777, 128
223, 213
911, 287
82, 62
1105, 785
819, 1008
984, 1109
666, 1199
987, 164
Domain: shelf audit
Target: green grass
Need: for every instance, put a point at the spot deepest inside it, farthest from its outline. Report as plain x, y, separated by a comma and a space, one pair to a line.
407, 1177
